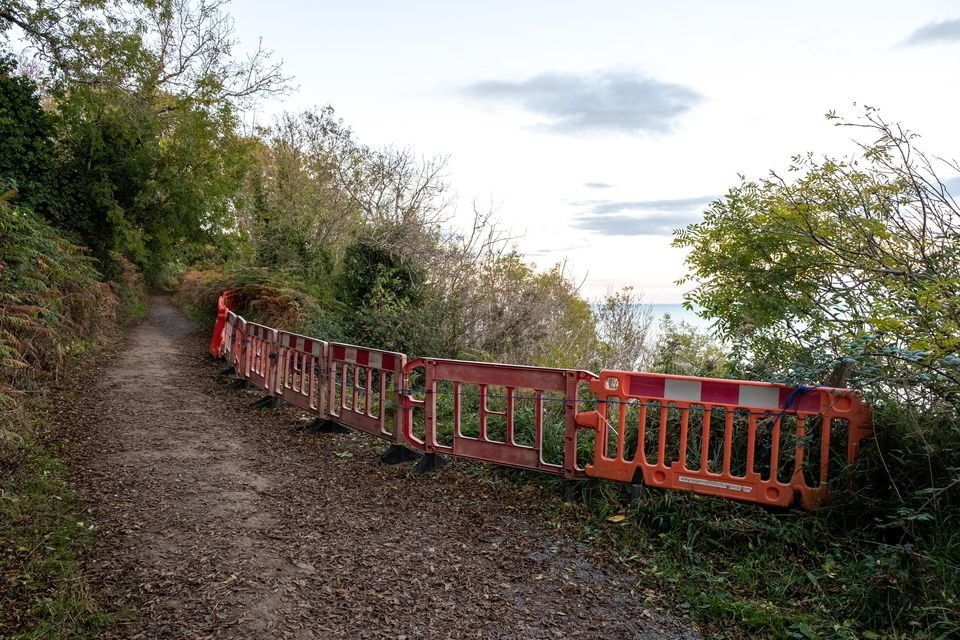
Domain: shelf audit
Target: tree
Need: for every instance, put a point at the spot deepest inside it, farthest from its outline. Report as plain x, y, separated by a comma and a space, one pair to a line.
291, 206
64, 35
623, 327
191, 43
142, 184
146, 95
27, 152
680, 349
848, 273
391, 188
183, 48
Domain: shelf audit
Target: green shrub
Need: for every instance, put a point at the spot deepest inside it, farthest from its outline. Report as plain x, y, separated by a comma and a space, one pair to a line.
275, 298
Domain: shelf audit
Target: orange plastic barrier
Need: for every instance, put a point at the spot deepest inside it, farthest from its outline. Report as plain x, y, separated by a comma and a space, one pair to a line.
300, 376
532, 426
224, 305
364, 388
770, 444
765, 443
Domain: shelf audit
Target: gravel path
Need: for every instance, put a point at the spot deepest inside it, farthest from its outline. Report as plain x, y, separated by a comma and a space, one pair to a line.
223, 521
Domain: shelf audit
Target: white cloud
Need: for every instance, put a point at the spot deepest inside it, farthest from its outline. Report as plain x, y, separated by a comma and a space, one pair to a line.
615, 101
641, 217
936, 32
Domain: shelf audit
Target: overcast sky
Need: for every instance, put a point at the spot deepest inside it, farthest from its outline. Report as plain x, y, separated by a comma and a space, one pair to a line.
596, 128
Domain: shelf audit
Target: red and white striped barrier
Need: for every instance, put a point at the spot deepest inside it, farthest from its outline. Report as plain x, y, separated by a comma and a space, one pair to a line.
301, 371
260, 347
365, 389
234, 338
496, 413
224, 305
753, 395
766, 443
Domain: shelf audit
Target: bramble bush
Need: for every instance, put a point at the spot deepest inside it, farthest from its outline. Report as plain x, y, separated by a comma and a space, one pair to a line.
846, 274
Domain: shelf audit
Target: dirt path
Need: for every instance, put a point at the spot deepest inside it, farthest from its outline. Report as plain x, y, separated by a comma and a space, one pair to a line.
223, 521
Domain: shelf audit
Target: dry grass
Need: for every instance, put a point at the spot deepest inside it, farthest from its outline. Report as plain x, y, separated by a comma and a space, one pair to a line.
52, 304
263, 296
54, 311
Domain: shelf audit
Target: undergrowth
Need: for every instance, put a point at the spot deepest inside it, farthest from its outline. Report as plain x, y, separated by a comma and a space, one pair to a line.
55, 312
268, 296
42, 541
881, 560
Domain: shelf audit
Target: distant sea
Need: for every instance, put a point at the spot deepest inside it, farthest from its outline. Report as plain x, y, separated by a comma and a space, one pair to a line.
678, 314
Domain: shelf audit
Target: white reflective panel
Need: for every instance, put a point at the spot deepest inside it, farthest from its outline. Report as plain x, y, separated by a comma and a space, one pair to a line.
681, 390
762, 397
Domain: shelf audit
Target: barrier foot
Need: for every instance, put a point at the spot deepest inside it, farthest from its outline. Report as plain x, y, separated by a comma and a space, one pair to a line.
429, 462
638, 490
397, 454
322, 425
239, 383
266, 402
229, 371
307, 427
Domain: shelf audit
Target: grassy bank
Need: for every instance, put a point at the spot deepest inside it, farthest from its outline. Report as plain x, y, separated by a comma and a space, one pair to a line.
879, 561
43, 538
56, 315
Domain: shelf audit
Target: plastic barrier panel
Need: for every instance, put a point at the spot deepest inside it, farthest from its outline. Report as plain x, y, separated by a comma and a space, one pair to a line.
216, 340
512, 415
224, 304
300, 377
235, 350
260, 355
233, 330
365, 388
752, 441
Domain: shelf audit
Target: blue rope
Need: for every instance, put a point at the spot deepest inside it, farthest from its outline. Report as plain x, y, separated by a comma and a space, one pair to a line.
796, 392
